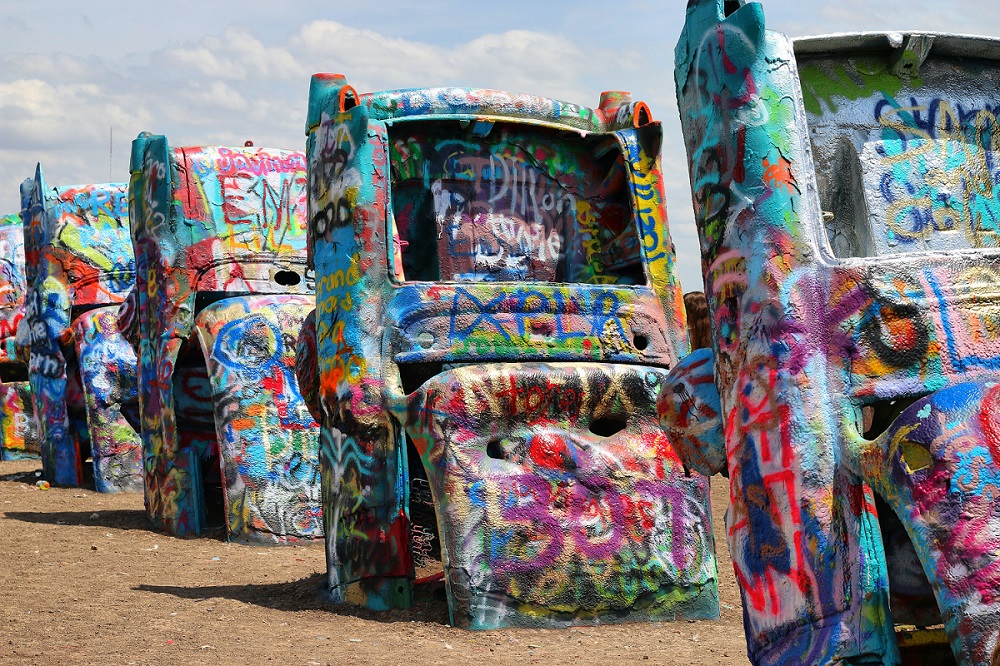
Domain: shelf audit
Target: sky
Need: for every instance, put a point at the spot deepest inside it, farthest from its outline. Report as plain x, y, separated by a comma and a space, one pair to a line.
79, 79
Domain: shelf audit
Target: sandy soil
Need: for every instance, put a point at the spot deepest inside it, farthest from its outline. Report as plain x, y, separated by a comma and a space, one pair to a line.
83, 580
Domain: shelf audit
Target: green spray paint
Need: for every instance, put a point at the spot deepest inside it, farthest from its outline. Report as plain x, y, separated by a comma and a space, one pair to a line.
855, 79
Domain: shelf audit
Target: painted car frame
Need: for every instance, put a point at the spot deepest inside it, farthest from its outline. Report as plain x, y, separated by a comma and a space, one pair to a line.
79, 267
844, 200
18, 430
222, 292
448, 327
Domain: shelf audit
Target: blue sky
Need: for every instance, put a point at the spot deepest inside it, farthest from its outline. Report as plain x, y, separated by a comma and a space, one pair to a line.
220, 72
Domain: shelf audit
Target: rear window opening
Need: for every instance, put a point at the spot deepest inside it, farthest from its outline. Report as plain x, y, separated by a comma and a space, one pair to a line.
517, 203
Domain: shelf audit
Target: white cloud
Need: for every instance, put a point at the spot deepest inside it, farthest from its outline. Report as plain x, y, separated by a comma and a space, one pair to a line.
366, 53
37, 114
216, 96
518, 60
236, 56
52, 67
531, 62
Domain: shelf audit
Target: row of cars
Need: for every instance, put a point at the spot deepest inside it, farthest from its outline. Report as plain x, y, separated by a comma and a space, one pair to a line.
463, 291
474, 292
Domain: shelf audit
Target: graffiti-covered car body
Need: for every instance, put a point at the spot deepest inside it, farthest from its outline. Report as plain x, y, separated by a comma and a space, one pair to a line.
79, 267
221, 295
496, 300
845, 199
18, 431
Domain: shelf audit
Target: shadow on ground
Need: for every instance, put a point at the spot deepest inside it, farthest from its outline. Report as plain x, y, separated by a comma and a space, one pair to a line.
430, 604
122, 519
29, 476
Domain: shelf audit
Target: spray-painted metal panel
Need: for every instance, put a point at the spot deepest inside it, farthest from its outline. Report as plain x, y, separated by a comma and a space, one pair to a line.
266, 434
558, 496
108, 369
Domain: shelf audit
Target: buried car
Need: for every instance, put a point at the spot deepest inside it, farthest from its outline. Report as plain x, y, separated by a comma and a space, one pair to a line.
496, 310
221, 295
845, 197
18, 430
79, 268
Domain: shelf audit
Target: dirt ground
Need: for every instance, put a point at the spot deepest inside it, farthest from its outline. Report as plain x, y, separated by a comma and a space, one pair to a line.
84, 580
